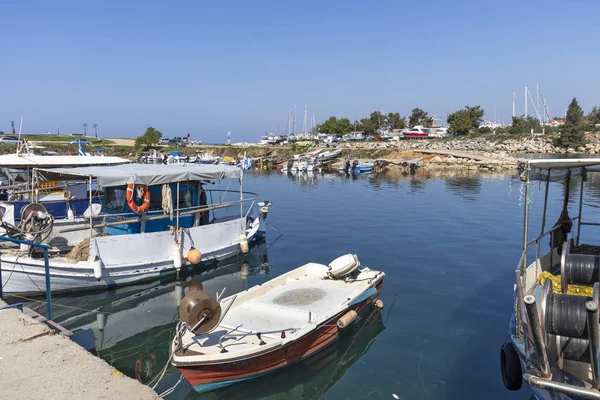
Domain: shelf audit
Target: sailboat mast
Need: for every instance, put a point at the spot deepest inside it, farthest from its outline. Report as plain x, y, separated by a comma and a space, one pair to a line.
526, 114
514, 104
294, 128
305, 124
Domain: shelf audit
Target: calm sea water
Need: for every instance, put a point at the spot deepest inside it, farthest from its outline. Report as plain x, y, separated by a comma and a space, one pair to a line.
448, 242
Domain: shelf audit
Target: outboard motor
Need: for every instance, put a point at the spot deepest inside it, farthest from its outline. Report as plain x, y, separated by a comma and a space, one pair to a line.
264, 208
347, 166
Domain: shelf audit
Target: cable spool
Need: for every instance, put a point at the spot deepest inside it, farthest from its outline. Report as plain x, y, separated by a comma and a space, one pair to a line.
564, 320
573, 349
197, 306
565, 315
578, 269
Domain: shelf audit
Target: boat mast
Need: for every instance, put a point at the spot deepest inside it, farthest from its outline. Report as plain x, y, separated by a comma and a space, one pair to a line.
294, 127
305, 126
526, 102
19, 141
514, 114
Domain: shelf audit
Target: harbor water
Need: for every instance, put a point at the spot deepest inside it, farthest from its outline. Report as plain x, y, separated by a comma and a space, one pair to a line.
448, 241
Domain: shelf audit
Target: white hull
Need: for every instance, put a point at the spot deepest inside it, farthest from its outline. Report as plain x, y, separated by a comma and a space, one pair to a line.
126, 259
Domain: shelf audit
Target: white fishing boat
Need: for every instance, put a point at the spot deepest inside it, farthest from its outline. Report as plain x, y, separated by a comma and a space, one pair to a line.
153, 220
207, 158
267, 327
329, 155
554, 330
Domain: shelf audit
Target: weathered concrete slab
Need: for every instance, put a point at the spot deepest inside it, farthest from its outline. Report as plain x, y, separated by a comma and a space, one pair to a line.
37, 363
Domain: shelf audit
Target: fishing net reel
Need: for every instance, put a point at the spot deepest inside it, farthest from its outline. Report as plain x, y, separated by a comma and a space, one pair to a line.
201, 313
35, 224
566, 321
578, 269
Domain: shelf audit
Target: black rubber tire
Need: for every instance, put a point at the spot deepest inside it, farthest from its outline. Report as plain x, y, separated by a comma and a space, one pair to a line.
510, 365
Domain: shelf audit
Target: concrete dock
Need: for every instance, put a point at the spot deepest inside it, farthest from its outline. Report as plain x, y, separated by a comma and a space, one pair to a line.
36, 362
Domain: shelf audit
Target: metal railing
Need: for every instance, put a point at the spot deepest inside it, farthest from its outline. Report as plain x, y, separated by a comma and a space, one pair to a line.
45, 247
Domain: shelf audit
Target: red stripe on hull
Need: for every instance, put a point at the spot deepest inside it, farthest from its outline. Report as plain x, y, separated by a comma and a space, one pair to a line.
409, 135
289, 354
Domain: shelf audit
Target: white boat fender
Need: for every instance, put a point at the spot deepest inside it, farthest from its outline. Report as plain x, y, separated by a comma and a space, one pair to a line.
346, 319
178, 293
176, 257
70, 214
101, 320
379, 304
343, 265
97, 264
244, 243
245, 270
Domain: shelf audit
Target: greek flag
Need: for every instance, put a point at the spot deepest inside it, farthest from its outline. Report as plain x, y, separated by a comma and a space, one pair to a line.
246, 164
81, 151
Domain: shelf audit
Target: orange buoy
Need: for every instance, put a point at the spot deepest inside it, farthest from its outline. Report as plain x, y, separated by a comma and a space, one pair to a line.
194, 256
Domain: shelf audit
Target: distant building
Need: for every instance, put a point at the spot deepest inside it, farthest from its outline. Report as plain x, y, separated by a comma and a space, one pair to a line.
491, 124
555, 122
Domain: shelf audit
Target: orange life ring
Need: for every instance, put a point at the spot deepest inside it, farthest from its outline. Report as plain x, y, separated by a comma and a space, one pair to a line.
138, 365
131, 202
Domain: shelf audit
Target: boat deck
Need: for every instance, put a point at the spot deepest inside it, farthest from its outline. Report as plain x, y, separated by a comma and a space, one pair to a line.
291, 306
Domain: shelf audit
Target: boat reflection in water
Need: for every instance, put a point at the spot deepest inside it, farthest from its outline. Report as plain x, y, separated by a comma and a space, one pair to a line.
131, 327
313, 377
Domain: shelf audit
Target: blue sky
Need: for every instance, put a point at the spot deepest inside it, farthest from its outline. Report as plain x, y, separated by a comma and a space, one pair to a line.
208, 67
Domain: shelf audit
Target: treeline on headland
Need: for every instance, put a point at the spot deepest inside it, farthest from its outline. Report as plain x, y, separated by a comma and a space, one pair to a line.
468, 121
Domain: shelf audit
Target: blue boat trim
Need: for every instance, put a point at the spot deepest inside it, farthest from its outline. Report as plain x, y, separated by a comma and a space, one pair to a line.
365, 295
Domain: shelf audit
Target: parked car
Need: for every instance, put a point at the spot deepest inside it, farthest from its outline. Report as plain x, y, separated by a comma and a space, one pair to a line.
177, 142
79, 141
164, 141
10, 140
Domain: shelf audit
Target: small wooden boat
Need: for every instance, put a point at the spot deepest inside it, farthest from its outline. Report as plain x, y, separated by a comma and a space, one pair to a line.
273, 325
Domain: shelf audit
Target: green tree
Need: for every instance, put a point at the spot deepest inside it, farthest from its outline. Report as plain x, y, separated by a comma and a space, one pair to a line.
356, 126
12, 126
460, 122
419, 117
395, 121
594, 118
476, 115
572, 132
336, 126
368, 125
149, 138
524, 124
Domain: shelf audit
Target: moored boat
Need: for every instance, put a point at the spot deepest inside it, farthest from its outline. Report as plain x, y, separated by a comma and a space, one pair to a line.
356, 167
150, 220
273, 325
417, 132
554, 330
